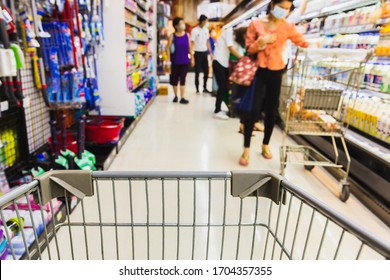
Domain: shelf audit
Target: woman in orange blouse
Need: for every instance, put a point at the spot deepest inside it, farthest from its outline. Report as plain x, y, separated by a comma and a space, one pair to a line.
266, 38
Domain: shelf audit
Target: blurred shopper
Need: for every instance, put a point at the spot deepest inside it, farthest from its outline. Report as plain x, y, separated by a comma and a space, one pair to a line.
266, 38
228, 43
180, 52
297, 10
212, 42
201, 45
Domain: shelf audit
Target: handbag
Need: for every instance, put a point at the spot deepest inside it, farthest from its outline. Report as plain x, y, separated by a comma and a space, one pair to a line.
242, 99
244, 72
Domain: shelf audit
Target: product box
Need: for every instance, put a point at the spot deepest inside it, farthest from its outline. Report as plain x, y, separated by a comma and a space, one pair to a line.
163, 90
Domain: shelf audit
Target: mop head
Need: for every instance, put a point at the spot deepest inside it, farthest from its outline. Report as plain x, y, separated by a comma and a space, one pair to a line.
19, 56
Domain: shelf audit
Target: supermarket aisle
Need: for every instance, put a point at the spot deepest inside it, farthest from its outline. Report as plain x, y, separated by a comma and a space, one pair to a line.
176, 137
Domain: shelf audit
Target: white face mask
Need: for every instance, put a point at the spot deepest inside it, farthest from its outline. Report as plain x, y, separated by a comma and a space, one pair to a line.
279, 12
207, 25
182, 26
213, 34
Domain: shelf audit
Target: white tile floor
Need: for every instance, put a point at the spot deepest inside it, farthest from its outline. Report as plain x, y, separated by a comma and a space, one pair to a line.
175, 137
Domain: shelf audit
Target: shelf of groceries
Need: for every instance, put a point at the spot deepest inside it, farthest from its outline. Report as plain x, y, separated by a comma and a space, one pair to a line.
354, 24
320, 8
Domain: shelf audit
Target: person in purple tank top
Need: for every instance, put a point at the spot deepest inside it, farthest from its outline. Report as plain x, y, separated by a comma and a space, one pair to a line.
180, 54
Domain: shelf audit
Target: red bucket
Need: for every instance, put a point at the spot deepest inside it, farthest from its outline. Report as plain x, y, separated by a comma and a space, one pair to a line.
70, 140
103, 130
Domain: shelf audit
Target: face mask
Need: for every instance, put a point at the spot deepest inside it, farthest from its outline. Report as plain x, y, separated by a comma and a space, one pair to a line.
207, 25
182, 26
279, 12
213, 34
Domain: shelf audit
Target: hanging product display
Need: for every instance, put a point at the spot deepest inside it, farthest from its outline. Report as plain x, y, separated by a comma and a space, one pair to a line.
57, 42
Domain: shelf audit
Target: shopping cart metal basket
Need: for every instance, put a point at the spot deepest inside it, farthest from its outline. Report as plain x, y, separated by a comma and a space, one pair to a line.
324, 83
178, 215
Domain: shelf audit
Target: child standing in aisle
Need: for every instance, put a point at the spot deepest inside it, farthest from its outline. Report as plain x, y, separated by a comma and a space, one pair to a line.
266, 38
180, 52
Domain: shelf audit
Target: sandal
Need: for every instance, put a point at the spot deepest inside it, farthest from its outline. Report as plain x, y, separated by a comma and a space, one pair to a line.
266, 152
241, 131
259, 128
244, 160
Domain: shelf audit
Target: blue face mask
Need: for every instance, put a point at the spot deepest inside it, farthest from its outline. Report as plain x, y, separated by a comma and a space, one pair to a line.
279, 12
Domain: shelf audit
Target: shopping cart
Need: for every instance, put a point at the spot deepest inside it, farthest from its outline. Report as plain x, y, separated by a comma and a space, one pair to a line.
178, 215
324, 82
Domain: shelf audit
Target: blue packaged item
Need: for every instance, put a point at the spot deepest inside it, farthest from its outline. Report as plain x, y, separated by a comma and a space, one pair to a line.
55, 75
91, 92
77, 87
67, 44
51, 94
66, 87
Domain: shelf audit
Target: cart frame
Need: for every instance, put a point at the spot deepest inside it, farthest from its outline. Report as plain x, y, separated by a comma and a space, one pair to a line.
274, 219
328, 100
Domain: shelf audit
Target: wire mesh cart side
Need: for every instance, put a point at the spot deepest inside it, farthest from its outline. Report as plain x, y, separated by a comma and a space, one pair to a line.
178, 215
324, 83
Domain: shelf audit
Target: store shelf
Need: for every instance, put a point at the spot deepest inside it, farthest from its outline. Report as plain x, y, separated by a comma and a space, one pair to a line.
378, 94
376, 150
138, 40
347, 6
136, 70
135, 25
135, 51
139, 86
311, 15
352, 30
383, 21
380, 58
312, 36
141, 17
141, 5
130, 10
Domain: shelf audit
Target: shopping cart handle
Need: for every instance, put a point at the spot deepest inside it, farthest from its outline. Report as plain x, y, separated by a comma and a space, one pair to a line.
256, 183
56, 183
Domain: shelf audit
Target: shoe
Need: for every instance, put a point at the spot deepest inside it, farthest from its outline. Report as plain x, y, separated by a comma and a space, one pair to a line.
206, 91
221, 115
197, 91
244, 160
175, 99
184, 101
266, 152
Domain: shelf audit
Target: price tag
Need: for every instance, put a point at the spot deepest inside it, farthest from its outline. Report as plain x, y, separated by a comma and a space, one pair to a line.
26, 102
4, 106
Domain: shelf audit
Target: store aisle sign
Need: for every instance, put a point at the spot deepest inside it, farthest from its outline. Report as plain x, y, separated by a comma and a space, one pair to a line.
215, 10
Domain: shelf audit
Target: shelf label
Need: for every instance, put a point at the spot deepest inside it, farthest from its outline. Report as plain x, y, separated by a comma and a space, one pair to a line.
4, 106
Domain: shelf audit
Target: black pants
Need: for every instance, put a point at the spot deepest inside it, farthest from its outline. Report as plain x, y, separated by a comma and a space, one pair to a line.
201, 65
178, 74
221, 76
267, 93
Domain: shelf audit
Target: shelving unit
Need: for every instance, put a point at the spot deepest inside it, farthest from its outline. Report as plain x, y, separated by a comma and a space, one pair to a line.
350, 5
118, 96
351, 30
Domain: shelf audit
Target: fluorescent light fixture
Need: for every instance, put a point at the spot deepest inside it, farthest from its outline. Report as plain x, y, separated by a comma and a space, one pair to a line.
248, 14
